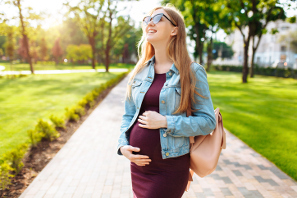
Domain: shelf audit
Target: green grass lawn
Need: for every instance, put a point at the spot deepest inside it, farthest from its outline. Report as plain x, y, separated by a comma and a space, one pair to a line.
262, 113
24, 100
25, 66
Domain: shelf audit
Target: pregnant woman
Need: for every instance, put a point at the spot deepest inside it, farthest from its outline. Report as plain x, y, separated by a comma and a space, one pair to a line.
163, 85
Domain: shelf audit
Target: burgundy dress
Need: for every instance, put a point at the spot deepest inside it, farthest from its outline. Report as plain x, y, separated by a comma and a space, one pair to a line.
161, 178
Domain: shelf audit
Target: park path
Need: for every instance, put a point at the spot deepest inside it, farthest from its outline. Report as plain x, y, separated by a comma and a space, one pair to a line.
64, 71
88, 165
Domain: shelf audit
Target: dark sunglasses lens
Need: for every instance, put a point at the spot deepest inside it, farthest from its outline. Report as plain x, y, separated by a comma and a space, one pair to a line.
157, 18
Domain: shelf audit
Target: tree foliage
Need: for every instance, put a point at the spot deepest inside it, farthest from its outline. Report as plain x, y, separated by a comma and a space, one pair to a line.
251, 19
80, 53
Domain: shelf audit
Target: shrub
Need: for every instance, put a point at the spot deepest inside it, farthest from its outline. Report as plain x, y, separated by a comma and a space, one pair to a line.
79, 110
90, 99
48, 131
5, 175
58, 122
15, 157
279, 72
71, 115
83, 102
34, 137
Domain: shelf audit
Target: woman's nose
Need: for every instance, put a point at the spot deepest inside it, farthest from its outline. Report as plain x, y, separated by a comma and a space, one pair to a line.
151, 22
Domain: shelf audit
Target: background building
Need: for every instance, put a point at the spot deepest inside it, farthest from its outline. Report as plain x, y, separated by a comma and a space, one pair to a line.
274, 49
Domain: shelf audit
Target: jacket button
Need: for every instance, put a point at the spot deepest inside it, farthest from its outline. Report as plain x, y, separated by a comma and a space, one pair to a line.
167, 154
163, 101
164, 134
170, 73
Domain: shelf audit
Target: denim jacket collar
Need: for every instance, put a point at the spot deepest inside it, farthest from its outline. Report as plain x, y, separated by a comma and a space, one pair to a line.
172, 68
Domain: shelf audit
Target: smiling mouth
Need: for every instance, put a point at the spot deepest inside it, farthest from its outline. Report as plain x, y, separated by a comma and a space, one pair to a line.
151, 32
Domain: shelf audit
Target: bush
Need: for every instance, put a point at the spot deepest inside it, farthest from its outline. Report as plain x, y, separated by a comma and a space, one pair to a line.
279, 72
15, 157
5, 176
71, 115
46, 63
48, 132
58, 122
90, 99
34, 137
79, 110
83, 102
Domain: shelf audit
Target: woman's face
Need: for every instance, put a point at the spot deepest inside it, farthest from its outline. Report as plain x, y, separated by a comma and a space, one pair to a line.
161, 32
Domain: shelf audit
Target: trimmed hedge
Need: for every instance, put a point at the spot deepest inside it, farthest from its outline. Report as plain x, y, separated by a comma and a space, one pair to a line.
278, 72
12, 163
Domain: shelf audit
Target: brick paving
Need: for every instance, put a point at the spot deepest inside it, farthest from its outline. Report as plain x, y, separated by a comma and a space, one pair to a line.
88, 166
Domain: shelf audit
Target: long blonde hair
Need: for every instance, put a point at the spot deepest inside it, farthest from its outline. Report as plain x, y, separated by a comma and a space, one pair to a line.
178, 53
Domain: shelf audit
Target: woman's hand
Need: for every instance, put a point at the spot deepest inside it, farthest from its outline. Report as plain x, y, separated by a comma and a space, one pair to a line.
140, 160
152, 120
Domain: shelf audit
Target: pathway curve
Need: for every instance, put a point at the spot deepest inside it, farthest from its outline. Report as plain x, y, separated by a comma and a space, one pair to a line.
88, 166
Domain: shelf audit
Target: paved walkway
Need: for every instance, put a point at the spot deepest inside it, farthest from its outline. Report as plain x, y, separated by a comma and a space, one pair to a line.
64, 71
88, 166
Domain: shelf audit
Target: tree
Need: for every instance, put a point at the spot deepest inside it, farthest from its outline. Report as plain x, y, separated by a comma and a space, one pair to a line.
114, 34
24, 24
251, 19
22, 50
43, 49
10, 45
25, 40
201, 18
89, 16
193, 13
126, 45
222, 49
80, 53
8, 40
57, 51
265, 12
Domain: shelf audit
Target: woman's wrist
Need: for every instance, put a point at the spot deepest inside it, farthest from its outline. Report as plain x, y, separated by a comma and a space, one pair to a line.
164, 122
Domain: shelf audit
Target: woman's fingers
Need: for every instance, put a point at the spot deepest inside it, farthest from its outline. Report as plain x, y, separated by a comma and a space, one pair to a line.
142, 121
140, 160
136, 149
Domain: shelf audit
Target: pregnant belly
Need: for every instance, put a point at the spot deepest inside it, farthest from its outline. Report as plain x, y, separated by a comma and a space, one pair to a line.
148, 140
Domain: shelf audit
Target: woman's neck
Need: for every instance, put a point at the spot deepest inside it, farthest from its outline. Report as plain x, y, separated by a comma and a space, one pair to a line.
162, 60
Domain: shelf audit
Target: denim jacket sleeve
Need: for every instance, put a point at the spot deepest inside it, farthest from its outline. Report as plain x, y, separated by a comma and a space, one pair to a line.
126, 119
201, 122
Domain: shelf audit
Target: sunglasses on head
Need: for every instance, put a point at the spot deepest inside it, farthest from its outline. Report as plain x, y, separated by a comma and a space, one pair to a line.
156, 19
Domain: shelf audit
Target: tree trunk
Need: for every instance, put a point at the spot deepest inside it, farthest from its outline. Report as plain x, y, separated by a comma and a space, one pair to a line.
252, 61
245, 62
92, 43
253, 55
26, 43
199, 46
200, 52
209, 55
108, 43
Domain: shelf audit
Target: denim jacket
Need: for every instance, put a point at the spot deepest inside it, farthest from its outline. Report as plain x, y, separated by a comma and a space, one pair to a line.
174, 139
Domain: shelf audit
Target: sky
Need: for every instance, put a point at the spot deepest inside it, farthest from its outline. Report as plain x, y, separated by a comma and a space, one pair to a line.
136, 9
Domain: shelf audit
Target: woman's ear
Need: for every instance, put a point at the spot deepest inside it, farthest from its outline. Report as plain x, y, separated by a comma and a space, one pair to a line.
174, 31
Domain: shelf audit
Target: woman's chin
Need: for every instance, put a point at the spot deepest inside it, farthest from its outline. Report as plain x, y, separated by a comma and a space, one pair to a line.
151, 40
